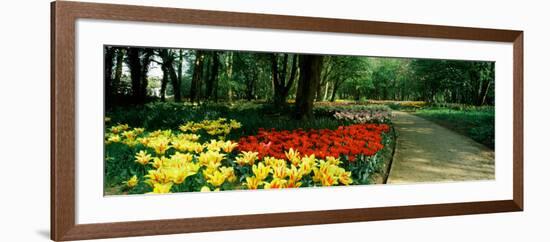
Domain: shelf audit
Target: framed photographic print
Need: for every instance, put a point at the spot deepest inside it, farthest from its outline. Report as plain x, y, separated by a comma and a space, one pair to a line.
170, 120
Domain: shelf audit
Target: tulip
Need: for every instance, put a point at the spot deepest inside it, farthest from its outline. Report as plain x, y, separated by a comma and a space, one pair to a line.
216, 179
275, 184
229, 173
114, 138
132, 182
210, 157
229, 146
142, 157
260, 171
160, 188
252, 183
160, 162
246, 158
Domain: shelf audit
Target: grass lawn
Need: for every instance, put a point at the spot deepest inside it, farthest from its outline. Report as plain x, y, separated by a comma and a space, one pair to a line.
477, 123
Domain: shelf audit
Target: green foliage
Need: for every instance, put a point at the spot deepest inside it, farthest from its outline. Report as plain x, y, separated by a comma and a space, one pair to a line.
441, 81
169, 115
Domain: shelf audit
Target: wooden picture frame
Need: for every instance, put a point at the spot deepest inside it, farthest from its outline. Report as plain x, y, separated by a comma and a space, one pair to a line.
63, 17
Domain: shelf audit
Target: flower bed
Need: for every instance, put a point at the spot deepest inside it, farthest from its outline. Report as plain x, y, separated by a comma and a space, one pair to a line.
198, 158
348, 141
364, 116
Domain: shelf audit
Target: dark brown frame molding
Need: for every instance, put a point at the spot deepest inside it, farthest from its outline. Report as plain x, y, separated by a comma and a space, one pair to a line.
63, 17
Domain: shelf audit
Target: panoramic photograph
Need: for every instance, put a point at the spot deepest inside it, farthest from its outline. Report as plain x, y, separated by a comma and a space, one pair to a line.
193, 120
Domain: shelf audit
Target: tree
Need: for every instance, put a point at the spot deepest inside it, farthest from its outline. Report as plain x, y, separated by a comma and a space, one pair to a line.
108, 56
177, 78
118, 71
326, 74
229, 75
282, 82
212, 81
344, 68
167, 60
248, 70
310, 77
194, 92
138, 62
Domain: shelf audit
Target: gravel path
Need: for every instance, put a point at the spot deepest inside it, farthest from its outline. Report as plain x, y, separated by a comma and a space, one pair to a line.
427, 152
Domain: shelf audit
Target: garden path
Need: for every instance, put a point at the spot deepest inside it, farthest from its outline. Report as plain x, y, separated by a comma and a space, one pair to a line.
427, 152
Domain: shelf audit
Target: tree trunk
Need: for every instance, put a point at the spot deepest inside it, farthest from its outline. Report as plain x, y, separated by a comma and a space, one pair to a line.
229, 73
282, 85
310, 75
145, 61
164, 82
175, 83
134, 64
108, 72
213, 78
197, 75
251, 83
334, 90
326, 91
118, 71
318, 91
177, 79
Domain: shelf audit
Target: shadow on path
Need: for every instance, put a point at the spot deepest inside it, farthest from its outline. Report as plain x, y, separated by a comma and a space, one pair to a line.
427, 152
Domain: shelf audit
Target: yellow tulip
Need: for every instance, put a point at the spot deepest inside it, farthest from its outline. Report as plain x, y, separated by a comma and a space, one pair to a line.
307, 164
180, 144
160, 144
252, 183
345, 178
160, 188
216, 179
189, 137
234, 124
181, 158
194, 167
130, 142
132, 182
317, 175
328, 180
246, 158
275, 184
178, 175
279, 171
333, 161
114, 138
119, 128
294, 175
210, 157
156, 176
160, 162
196, 147
271, 161
260, 171
210, 169
143, 157
139, 130
129, 135
293, 156
214, 145
229, 146
229, 173
143, 141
